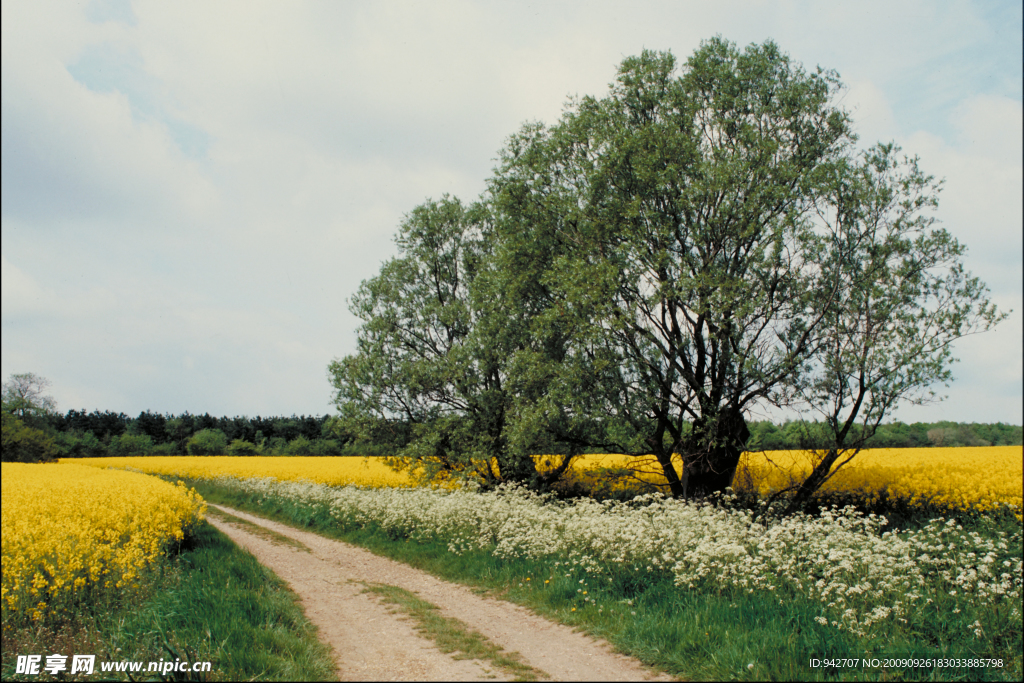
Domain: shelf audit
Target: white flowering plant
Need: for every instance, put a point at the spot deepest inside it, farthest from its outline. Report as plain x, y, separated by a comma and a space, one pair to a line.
864, 579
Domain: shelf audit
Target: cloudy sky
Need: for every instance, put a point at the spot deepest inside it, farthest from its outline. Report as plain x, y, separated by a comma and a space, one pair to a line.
192, 190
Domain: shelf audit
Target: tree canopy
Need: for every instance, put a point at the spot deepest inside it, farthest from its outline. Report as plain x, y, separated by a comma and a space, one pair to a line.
701, 242
25, 409
24, 395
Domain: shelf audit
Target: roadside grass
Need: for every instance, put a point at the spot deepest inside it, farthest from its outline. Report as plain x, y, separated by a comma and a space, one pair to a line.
211, 601
452, 635
257, 530
730, 634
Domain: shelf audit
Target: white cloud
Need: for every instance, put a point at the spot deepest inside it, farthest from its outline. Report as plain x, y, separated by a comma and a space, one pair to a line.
982, 202
991, 126
982, 205
873, 119
325, 123
19, 293
75, 154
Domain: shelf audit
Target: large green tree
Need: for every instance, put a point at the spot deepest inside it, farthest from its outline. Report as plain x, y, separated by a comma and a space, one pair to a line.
684, 200
422, 380
698, 243
725, 249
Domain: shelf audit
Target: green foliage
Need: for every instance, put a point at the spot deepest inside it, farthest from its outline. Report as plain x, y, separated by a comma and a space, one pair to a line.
326, 447
23, 396
210, 602
300, 445
131, 444
82, 434
22, 443
795, 435
78, 445
636, 199
240, 447
168, 448
952, 437
25, 409
701, 633
638, 277
208, 442
429, 376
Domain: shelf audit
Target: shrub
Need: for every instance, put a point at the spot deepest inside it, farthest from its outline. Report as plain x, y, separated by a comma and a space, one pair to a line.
131, 444
208, 442
241, 447
300, 445
168, 448
78, 445
22, 443
326, 447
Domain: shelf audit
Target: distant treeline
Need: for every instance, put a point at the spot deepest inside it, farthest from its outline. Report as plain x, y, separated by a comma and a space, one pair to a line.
96, 434
798, 435
81, 434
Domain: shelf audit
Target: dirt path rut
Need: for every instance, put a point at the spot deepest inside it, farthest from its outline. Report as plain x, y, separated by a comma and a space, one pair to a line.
371, 642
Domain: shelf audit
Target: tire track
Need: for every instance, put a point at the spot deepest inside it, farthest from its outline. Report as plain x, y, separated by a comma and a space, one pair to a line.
372, 643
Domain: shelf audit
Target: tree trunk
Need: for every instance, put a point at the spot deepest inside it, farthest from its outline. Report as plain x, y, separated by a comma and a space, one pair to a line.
818, 477
715, 454
676, 485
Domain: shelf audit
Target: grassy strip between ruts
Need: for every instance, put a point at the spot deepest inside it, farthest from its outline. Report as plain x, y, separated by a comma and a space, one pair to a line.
452, 635
210, 602
694, 634
257, 530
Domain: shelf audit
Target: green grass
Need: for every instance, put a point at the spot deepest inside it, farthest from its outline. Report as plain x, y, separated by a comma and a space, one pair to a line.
697, 635
257, 530
210, 602
453, 636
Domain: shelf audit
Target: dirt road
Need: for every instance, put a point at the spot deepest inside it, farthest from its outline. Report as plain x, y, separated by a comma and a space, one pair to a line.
372, 641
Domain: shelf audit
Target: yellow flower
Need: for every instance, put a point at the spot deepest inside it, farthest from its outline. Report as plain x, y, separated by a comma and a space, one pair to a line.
371, 472
67, 525
979, 478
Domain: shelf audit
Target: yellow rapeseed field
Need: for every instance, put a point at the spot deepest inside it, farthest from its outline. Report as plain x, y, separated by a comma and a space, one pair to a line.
70, 529
952, 478
945, 478
336, 471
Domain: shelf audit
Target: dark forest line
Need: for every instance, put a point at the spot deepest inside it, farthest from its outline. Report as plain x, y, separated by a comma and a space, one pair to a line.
78, 433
